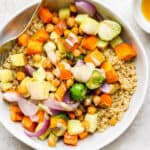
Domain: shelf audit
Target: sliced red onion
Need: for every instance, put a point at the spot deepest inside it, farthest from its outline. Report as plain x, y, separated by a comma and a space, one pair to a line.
29, 70
85, 7
67, 98
11, 96
79, 63
105, 88
43, 129
54, 112
27, 108
61, 106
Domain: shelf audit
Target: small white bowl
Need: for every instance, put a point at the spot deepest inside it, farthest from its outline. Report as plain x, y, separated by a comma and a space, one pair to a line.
139, 17
98, 140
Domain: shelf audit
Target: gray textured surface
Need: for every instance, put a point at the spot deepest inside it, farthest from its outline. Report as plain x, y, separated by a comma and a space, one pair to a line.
137, 136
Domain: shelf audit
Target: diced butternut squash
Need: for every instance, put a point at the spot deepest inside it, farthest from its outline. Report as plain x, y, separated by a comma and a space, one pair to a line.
60, 92
23, 40
60, 27
18, 60
40, 115
65, 74
95, 57
34, 47
28, 124
83, 135
70, 139
125, 51
6, 75
16, 114
90, 42
106, 101
41, 35
111, 75
45, 15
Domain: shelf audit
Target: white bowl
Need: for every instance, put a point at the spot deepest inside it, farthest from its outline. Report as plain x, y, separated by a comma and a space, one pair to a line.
97, 140
139, 17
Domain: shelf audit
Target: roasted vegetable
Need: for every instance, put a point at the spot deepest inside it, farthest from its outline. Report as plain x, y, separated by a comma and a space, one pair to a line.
125, 51
6, 75
89, 26
108, 30
52, 140
82, 73
18, 60
78, 92
75, 127
96, 80
92, 122
116, 41
39, 90
70, 139
111, 74
96, 57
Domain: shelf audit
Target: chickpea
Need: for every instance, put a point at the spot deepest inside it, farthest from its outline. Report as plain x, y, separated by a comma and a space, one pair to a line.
69, 83
73, 8
71, 22
96, 100
112, 121
75, 30
78, 112
66, 33
91, 110
22, 90
37, 58
56, 82
20, 75
47, 64
76, 52
55, 20
49, 28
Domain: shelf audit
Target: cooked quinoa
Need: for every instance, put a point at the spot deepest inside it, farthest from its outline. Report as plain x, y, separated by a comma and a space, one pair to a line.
121, 99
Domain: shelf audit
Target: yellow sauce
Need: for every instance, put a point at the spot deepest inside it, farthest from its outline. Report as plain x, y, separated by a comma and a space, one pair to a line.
146, 9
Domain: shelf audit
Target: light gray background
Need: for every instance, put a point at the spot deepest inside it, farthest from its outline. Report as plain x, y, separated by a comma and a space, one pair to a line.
137, 137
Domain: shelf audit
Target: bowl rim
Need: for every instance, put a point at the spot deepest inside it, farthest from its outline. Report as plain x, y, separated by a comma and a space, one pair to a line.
36, 145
